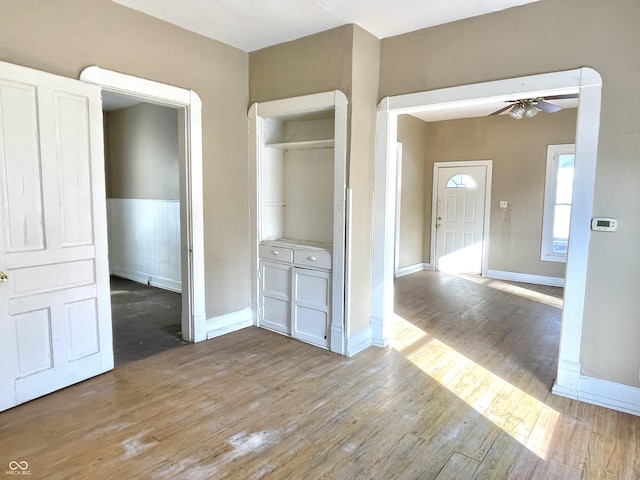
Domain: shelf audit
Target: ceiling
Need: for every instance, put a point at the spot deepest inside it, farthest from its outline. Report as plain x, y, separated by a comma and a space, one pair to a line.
116, 101
484, 106
254, 24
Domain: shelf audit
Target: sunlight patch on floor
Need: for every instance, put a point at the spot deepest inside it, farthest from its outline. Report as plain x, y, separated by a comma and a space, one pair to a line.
525, 418
118, 292
523, 292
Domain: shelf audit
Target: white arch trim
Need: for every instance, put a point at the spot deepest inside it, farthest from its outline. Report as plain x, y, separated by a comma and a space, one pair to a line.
587, 82
189, 105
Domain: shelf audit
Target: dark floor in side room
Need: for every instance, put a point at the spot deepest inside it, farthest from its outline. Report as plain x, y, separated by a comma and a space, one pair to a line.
146, 320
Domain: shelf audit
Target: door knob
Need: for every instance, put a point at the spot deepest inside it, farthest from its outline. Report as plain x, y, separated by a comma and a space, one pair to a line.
3, 277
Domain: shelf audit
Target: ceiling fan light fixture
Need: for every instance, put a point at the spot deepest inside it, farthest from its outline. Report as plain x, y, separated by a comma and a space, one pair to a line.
517, 111
530, 110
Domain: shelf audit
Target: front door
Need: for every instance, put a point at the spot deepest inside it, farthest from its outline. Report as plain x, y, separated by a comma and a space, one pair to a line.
460, 217
55, 312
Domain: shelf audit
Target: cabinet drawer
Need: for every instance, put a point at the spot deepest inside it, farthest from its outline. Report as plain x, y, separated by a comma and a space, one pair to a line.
313, 258
279, 254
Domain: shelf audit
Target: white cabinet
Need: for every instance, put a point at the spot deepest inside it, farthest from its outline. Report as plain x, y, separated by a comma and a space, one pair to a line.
299, 147
295, 291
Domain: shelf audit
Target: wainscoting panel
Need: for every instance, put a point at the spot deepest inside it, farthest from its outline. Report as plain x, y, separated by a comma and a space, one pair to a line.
144, 241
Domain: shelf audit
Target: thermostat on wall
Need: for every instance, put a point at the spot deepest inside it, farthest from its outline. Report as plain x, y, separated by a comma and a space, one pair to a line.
604, 224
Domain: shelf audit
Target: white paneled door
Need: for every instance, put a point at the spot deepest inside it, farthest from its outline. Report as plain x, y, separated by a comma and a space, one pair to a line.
55, 313
460, 218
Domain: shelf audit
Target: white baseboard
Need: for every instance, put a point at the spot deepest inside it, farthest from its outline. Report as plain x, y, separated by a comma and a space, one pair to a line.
378, 337
409, 269
525, 278
230, 322
146, 278
337, 339
359, 341
603, 393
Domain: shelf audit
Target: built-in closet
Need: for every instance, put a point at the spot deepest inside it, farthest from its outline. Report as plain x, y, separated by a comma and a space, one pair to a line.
299, 155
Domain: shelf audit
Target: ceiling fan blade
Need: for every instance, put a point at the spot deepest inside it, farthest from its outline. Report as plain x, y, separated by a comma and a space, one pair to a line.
498, 112
547, 107
561, 97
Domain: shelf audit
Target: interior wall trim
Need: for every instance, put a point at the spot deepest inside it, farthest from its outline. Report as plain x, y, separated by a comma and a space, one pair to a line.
585, 81
359, 341
526, 278
603, 393
230, 322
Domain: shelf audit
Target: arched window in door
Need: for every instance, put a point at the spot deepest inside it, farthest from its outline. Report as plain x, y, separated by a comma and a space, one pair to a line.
461, 180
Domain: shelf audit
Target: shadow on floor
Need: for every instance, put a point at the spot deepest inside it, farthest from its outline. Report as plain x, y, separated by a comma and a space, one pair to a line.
146, 320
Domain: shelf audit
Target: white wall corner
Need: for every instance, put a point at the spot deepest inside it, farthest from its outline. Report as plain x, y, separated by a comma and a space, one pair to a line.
379, 337
383, 106
230, 322
568, 379
337, 339
359, 341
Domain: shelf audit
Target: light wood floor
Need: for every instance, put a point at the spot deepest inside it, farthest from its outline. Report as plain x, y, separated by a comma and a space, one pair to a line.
463, 393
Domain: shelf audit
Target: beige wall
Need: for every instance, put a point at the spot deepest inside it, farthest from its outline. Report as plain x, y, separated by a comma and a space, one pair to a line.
518, 149
415, 191
569, 34
346, 59
65, 36
366, 64
313, 64
143, 159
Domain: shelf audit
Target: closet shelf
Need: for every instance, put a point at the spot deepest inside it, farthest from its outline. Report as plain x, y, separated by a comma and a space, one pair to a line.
302, 145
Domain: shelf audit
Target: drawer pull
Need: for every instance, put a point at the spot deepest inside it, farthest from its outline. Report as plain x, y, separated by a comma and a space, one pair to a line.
312, 258
274, 252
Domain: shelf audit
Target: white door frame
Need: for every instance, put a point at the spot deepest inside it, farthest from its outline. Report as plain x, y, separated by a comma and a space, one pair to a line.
189, 108
585, 81
486, 211
398, 207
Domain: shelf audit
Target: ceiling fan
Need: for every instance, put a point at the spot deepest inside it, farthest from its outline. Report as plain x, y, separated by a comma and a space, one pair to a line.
528, 107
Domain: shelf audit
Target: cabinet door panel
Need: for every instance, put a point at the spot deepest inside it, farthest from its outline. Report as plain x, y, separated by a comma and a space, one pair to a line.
312, 290
276, 280
275, 297
311, 306
311, 325
276, 315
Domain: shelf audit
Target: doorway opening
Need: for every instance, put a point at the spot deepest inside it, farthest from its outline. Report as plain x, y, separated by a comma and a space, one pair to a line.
188, 106
584, 81
142, 170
